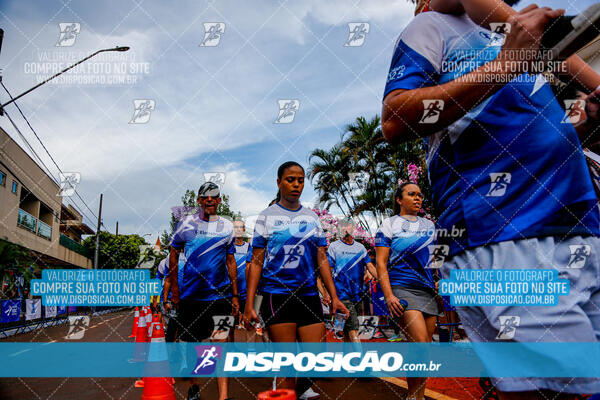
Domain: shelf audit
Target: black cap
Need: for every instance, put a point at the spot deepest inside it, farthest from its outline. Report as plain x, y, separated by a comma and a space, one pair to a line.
209, 189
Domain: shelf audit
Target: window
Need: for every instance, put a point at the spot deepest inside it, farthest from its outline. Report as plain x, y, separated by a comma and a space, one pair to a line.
2, 178
14, 187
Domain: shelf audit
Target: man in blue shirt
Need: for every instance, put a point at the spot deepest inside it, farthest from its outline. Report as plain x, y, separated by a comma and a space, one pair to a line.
208, 289
505, 169
348, 260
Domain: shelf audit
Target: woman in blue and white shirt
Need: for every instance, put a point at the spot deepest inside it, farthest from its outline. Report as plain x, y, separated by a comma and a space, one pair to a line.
402, 252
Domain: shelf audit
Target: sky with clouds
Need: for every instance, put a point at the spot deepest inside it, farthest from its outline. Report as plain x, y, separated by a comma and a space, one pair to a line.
214, 107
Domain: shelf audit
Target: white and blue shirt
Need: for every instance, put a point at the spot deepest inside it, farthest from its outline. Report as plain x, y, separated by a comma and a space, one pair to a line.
348, 263
410, 243
206, 245
510, 168
241, 256
291, 239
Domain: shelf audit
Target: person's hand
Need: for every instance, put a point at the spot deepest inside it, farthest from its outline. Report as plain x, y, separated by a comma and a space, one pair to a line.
394, 306
522, 42
250, 318
172, 304
326, 299
338, 306
235, 306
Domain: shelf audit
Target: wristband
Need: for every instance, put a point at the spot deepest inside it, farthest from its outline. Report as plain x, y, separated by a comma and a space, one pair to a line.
235, 295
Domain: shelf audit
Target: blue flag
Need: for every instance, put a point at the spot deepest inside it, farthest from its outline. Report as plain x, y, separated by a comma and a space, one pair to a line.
11, 310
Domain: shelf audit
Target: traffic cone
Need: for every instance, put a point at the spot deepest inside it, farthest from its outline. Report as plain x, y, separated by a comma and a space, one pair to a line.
139, 352
279, 394
136, 318
158, 388
148, 316
155, 319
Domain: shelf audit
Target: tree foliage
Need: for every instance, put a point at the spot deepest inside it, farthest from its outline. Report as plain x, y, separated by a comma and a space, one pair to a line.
360, 173
119, 252
15, 262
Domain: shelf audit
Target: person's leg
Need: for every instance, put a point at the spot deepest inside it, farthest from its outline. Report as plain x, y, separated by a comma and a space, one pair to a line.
285, 332
416, 330
313, 333
351, 325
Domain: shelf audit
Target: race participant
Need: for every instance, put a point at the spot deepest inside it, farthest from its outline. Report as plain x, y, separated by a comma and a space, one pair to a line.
293, 241
402, 246
210, 277
349, 262
506, 171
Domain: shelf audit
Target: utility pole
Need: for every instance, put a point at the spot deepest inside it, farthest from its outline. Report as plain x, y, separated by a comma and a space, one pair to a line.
117, 230
97, 250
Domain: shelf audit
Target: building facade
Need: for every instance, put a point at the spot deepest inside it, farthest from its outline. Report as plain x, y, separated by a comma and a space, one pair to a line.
32, 214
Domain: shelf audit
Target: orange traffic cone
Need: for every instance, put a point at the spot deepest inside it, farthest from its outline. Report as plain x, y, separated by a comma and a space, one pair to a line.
139, 352
136, 318
279, 394
158, 364
155, 319
148, 316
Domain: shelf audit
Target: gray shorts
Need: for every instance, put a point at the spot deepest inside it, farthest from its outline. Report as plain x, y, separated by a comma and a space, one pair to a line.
355, 307
417, 299
576, 318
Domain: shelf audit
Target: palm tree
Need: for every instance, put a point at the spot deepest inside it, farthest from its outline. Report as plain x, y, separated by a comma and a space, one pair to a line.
329, 173
368, 150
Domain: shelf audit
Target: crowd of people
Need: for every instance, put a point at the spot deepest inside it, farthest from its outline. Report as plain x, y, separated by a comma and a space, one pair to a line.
281, 279
504, 169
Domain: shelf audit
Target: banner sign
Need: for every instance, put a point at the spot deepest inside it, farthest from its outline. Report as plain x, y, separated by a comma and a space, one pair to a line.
50, 311
33, 309
77, 359
108, 287
11, 310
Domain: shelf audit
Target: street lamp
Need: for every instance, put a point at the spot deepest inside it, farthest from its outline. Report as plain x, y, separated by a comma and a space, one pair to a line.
118, 48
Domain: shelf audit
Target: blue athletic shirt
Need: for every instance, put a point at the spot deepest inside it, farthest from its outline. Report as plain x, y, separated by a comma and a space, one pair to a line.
409, 243
510, 168
241, 255
291, 239
206, 245
348, 262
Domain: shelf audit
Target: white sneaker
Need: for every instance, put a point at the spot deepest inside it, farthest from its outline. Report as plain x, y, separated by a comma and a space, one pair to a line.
309, 394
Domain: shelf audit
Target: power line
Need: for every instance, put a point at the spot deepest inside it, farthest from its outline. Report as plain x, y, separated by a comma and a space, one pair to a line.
49, 155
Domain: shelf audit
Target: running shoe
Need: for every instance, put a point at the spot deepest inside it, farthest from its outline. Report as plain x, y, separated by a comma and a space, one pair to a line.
566, 35
193, 393
309, 395
395, 338
378, 335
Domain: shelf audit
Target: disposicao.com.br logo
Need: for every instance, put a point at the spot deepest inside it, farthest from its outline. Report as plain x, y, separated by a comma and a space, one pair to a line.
351, 362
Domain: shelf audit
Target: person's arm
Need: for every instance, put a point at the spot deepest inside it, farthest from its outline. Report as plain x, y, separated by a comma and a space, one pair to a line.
372, 270
253, 275
171, 283
232, 272
403, 109
382, 255
325, 272
325, 296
